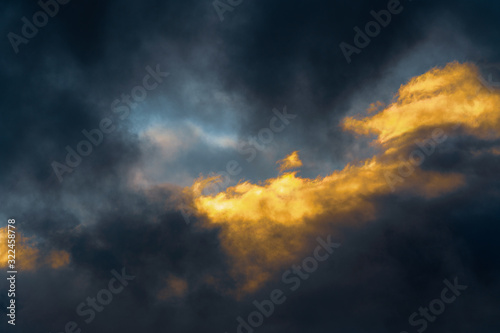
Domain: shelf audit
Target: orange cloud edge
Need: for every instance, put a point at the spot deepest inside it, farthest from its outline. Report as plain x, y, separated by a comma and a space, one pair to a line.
266, 227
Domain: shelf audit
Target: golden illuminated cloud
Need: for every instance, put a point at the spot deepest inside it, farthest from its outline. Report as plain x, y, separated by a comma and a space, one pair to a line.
175, 287
450, 96
265, 227
28, 257
58, 259
292, 161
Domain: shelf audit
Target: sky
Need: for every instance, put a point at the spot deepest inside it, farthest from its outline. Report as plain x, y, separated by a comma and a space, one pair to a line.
243, 166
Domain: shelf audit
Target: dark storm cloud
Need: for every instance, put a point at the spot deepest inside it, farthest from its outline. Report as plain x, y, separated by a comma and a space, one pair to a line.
398, 265
138, 234
274, 54
269, 54
289, 54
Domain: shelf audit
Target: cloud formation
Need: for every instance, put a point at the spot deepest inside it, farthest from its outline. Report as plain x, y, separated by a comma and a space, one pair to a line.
264, 226
397, 158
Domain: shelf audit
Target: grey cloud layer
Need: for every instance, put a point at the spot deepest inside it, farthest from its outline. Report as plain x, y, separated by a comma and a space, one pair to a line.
227, 77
